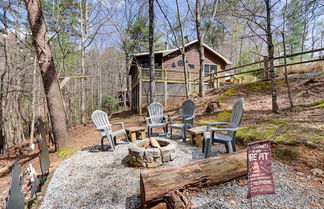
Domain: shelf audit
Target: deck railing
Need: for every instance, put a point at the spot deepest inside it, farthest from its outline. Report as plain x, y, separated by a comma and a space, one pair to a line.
164, 75
213, 79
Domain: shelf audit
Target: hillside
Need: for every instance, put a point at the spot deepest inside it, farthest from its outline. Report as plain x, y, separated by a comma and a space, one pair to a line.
297, 134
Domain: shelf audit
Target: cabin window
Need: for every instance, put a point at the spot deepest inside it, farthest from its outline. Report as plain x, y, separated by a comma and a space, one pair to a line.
180, 62
210, 69
173, 65
191, 66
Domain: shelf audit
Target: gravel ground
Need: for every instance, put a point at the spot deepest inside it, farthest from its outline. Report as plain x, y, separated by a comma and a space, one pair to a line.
95, 179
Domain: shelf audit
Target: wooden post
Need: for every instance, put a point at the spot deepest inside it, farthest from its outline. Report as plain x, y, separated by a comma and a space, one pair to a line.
265, 68
165, 94
140, 96
130, 88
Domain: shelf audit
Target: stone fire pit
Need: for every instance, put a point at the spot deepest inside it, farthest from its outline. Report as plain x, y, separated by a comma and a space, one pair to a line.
151, 157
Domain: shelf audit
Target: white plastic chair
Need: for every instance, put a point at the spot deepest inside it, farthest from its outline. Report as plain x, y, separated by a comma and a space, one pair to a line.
156, 119
100, 119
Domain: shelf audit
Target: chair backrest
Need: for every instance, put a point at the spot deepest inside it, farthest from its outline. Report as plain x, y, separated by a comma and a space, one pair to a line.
156, 112
100, 119
237, 113
188, 108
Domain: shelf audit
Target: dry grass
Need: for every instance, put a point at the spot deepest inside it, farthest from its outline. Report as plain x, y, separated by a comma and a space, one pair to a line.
306, 68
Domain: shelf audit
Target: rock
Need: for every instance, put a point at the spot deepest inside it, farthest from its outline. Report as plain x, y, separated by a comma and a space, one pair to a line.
156, 152
317, 172
212, 106
300, 173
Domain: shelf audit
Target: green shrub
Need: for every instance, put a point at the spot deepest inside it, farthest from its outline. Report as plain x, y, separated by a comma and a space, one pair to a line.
109, 104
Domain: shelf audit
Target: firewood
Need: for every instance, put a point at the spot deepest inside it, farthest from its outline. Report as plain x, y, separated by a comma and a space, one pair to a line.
146, 144
178, 200
160, 205
155, 143
192, 176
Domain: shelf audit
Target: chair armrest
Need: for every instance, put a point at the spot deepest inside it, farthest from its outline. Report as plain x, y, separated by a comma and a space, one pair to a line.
101, 128
147, 120
166, 118
173, 118
210, 124
121, 124
190, 118
223, 129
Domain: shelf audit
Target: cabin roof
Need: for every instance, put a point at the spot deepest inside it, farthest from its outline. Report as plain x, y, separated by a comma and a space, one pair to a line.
169, 51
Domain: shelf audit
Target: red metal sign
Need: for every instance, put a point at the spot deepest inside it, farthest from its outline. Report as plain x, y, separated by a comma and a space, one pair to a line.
259, 169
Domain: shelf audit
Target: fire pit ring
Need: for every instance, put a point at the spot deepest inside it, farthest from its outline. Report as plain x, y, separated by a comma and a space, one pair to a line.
151, 157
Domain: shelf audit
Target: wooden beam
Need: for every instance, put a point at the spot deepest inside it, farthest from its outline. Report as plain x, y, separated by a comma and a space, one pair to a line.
66, 79
78, 76
165, 94
140, 97
64, 82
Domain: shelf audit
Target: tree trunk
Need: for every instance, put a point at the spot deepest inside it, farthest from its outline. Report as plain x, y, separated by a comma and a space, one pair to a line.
286, 71
305, 28
183, 51
48, 72
99, 74
196, 175
151, 49
83, 22
129, 81
285, 59
200, 50
270, 56
32, 125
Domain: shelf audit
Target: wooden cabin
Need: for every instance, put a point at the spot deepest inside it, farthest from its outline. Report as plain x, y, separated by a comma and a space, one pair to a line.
170, 75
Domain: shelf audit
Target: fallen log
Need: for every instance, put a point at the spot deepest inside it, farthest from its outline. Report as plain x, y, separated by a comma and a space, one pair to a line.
193, 176
6, 169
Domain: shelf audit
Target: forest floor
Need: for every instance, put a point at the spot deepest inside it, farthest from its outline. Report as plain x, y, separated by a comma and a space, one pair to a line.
297, 134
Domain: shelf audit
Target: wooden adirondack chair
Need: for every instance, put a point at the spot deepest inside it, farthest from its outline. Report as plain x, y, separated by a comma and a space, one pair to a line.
188, 114
232, 126
100, 119
156, 119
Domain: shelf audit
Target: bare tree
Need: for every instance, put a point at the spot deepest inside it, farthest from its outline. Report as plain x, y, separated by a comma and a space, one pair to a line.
201, 35
122, 18
285, 54
268, 31
256, 18
181, 47
200, 49
183, 50
84, 34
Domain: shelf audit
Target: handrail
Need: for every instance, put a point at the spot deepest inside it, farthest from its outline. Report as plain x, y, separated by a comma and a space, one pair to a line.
275, 58
277, 66
214, 74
